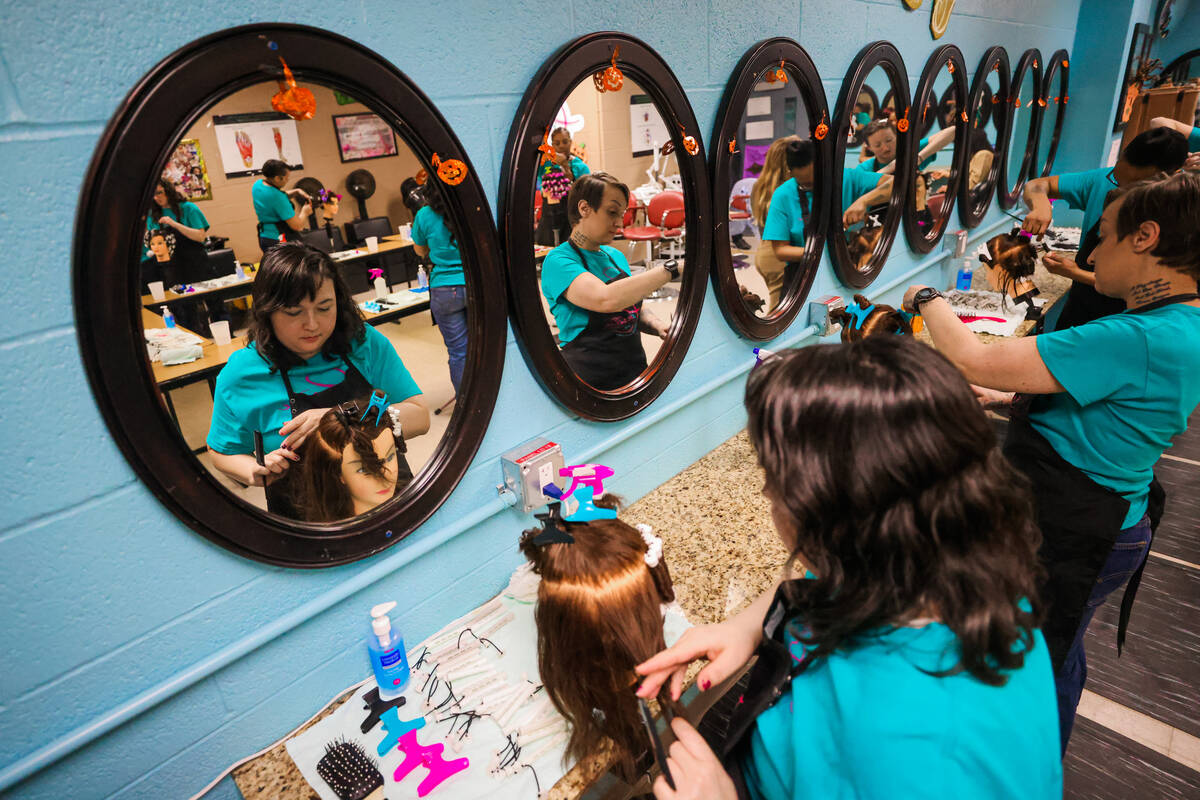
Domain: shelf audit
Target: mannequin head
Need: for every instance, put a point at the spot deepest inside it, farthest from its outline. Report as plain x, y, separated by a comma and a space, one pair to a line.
158, 246
1010, 262
882, 320
598, 615
347, 467
861, 243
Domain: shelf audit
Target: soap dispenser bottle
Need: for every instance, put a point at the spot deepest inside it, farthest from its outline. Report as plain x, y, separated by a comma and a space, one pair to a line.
386, 648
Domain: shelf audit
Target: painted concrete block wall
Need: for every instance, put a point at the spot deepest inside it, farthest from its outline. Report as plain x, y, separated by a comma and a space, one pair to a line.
118, 619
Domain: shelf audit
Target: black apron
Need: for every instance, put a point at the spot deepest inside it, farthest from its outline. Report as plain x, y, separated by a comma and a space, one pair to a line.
1082, 302
1080, 521
608, 353
354, 387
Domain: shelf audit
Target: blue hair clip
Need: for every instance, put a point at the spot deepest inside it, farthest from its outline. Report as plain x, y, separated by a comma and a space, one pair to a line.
859, 314
379, 403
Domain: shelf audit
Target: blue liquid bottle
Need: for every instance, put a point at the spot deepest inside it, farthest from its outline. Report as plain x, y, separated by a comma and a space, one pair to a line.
386, 649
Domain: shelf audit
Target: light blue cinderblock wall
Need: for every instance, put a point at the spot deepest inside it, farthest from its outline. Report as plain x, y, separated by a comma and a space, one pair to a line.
116, 617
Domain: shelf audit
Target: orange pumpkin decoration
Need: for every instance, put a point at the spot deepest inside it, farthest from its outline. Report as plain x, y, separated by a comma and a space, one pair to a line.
295, 101
1041, 102
611, 78
822, 129
421, 176
950, 66
733, 145
1064, 63
963, 115
902, 124
545, 148
1066, 98
451, 171
691, 145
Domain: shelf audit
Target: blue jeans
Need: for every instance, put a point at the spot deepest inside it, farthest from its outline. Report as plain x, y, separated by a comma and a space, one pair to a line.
449, 307
1128, 553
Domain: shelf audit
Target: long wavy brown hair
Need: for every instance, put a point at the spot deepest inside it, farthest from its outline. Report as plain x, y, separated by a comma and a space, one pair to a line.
1014, 255
598, 614
897, 499
774, 172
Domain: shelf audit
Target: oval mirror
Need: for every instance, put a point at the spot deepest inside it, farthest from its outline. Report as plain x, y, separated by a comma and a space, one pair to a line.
606, 225
255, 236
940, 102
773, 143
988, 137
870, 160
1024, 121
1054, 90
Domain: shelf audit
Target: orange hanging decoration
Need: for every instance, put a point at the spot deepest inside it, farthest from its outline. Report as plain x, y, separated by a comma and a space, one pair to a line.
689, 142
950, 66
733, 145
963, 115
902, 124
545, 148
451, 171
295, 101
1065, 98
610, 79
1064, 63
421, 176
822, 129
780, 73
1041, 102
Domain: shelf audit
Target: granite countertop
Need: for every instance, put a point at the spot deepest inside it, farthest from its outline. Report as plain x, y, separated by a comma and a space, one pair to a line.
719, 544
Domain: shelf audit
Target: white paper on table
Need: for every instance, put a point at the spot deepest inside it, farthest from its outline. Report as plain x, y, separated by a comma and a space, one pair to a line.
994, 314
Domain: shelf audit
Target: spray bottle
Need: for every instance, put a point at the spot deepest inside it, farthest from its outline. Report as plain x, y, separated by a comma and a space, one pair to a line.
168, 317
386, 649
422, 278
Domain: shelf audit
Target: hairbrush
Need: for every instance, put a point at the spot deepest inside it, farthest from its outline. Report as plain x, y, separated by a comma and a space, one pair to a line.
350, 772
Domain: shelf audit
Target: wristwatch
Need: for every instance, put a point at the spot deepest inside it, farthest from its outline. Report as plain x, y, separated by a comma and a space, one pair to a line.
924, 296
672, 268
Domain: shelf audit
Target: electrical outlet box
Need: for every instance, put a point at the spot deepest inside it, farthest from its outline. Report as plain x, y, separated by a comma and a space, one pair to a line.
819, 311
531, 466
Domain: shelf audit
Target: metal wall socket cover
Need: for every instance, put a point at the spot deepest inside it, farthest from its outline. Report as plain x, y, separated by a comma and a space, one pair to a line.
819, 311
529, 467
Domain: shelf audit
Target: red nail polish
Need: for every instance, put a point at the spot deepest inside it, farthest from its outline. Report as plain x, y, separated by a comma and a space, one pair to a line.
705, 684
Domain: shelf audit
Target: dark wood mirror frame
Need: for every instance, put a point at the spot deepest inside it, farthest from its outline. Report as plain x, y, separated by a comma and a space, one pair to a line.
875, 54
996, 58
1031, 59
946, 56
571, 65
137, 141
1058, 67
769, 52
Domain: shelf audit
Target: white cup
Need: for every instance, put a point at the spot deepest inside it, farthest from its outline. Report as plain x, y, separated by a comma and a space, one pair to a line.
372, 244
220, 332
156, 290
405, 231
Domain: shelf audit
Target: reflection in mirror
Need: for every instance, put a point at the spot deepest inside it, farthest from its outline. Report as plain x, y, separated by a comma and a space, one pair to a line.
987, 115
767, 237
932, 193
1057, 71
610, 234
283, 295
866, 176
1022, 114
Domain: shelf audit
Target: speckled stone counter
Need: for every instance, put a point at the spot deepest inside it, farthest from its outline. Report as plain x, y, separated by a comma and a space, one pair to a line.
720, 547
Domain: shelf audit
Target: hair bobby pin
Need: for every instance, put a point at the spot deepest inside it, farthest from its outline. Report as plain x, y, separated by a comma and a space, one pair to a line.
654, 546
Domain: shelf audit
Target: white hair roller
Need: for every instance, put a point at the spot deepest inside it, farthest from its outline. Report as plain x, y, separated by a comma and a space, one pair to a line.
394, 413
654, 547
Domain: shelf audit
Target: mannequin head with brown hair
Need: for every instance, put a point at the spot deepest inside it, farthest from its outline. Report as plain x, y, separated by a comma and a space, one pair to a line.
347, 466
870, 319
598, 614
1011, 260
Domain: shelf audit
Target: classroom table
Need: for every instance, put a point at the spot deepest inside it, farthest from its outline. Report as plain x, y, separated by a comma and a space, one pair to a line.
359, 253
238, 289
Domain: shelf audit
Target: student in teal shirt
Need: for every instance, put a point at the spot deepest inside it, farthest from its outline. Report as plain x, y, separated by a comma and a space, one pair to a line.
1150, 152
907, 662
883, 140
1113, 393
433, 240
277, 221
1192, 134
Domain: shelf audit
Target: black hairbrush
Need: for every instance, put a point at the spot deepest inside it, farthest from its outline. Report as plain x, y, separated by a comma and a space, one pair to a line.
350, 772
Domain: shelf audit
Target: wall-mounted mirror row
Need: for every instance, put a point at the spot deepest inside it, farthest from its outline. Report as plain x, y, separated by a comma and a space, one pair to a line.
288, 279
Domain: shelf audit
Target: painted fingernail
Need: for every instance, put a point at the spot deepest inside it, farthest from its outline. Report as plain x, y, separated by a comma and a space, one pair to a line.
705, 684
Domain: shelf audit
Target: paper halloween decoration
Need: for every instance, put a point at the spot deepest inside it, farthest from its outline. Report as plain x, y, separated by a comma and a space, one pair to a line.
295, 101
611, 78
451, 171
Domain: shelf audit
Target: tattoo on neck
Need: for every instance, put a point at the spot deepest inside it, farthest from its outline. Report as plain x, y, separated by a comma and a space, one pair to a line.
1144, 293
580, 239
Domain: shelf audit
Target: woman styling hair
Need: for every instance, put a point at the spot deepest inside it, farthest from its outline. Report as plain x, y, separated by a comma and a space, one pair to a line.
893, 666
595, 299
774, 173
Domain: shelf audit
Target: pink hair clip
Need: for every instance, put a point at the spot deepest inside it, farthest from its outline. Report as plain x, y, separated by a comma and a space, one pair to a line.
430, 757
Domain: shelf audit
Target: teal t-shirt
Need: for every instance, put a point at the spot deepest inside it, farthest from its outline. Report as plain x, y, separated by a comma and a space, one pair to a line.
250, 397
870, 166
579, 168
862, 118
1194, 140
785, 219
856, 183
1086, 191
272, 207
869, 723
189, 215
430, 230
1131, 382
561, 267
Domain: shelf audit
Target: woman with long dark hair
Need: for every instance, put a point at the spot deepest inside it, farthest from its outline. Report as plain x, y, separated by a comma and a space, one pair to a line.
434, 241
184, 227
907, 661
308, 350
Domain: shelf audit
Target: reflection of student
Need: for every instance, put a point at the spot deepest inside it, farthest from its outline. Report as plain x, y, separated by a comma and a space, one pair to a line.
882, 139
349, 464
596, 302
919, 596
1110, 395
433, 239
1192, 134
277, 221
1150, 152
554, 181
184, 227
787, 213
308, 350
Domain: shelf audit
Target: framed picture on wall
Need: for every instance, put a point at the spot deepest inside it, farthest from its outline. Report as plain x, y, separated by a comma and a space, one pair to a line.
188, 171
246, 141
1139, 52
363, 136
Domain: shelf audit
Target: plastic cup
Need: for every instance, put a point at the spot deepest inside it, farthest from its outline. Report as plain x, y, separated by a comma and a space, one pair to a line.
220, 332
372, 244
156, 291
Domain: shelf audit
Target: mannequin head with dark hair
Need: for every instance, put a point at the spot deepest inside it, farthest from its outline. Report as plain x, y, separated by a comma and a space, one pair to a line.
1011, 260
870, 319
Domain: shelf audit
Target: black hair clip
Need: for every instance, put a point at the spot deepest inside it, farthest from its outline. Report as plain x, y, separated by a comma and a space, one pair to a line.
347, 414
551, 533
